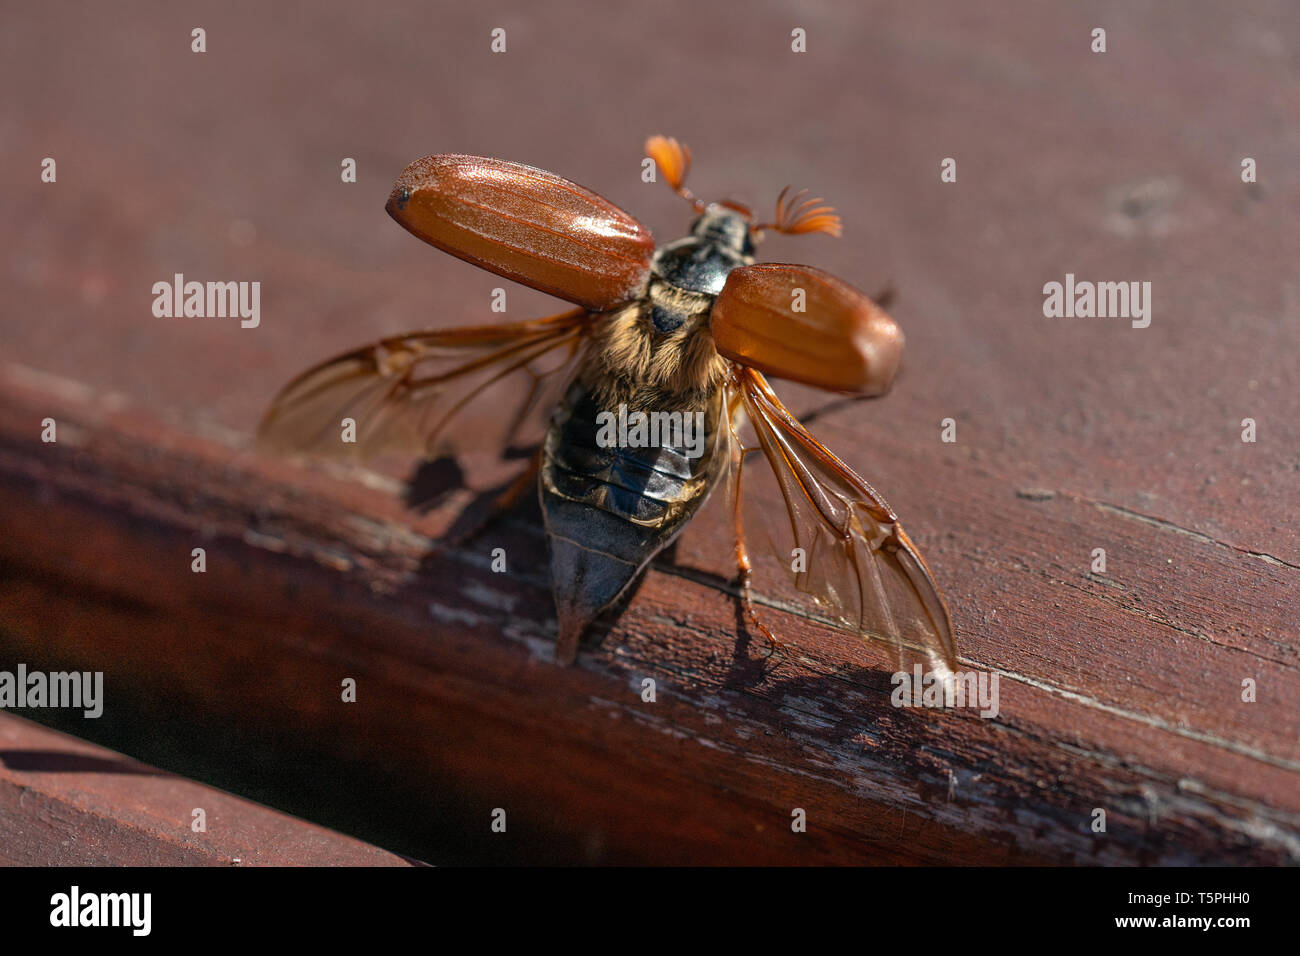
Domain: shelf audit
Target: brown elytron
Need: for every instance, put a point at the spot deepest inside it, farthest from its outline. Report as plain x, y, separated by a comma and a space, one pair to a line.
664, 338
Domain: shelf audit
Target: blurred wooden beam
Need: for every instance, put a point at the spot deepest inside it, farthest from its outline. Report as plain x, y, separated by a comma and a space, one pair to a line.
64, 802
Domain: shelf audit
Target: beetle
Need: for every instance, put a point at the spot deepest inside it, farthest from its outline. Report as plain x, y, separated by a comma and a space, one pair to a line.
690, 328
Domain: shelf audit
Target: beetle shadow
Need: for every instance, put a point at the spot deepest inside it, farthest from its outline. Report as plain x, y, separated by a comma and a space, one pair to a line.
434, 479
432, 482
831, 407
839, 403
746, 669
855, 699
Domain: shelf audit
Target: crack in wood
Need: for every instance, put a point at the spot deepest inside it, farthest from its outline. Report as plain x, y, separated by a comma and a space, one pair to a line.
1173, 528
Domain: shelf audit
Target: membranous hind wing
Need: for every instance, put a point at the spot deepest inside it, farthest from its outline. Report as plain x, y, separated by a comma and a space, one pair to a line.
402, 392
856, 563
514, 220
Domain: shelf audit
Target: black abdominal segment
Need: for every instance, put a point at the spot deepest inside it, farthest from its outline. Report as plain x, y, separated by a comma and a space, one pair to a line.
609, 510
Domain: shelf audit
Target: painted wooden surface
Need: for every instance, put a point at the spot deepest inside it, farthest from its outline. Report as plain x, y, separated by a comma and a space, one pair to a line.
1119, 690
64, 802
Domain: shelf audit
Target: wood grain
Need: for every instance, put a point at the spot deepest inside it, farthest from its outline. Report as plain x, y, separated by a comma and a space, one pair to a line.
312, 579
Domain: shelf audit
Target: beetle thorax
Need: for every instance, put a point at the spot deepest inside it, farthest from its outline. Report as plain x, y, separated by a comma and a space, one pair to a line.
634, 360
657, 354
719, 242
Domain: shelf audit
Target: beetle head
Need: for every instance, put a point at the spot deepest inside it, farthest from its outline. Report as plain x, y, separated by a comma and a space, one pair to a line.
726, 224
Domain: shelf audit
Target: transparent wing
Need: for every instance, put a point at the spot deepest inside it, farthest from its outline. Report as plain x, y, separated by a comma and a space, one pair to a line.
857, 564
402, 392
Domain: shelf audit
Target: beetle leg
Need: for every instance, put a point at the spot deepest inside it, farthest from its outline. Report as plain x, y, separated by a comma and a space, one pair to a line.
744, 568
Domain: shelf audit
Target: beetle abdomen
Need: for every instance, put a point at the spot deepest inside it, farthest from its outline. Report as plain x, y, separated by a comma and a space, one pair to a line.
612, 506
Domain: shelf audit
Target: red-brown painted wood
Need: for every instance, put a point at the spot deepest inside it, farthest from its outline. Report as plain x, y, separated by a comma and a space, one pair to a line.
1120, 690
312, 579
64, 802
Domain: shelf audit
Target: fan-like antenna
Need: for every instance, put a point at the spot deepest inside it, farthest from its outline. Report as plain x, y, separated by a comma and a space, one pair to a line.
795, 217
674, 161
